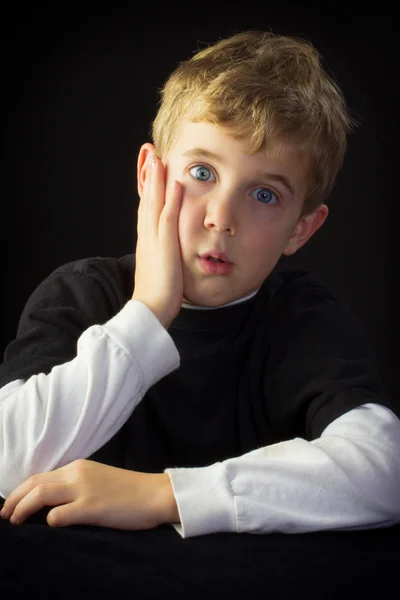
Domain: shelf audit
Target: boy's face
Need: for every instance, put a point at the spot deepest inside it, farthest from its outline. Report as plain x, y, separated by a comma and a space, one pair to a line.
244, 206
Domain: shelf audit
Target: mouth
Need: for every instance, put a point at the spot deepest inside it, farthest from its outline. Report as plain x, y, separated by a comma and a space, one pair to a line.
215, 263
216, 257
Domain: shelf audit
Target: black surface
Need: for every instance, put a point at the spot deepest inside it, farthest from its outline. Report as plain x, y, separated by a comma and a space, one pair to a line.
45, 562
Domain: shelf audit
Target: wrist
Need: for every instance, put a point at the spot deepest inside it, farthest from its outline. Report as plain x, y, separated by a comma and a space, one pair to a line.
162, 315
169, 507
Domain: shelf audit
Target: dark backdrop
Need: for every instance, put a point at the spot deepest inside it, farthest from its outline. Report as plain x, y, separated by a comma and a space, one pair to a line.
81, 92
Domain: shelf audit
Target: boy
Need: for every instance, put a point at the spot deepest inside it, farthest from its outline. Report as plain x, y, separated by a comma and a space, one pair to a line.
192, 383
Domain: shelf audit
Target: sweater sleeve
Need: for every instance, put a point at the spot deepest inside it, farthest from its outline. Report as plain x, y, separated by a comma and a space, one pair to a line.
348, 478
49, 420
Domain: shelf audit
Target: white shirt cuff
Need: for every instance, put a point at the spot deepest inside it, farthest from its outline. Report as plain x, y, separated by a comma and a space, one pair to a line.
151, 346
204, 499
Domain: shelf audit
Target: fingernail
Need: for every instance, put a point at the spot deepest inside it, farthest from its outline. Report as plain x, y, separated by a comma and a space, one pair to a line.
2, 513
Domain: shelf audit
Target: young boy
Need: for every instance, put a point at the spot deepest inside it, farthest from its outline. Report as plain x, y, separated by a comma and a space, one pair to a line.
193, 383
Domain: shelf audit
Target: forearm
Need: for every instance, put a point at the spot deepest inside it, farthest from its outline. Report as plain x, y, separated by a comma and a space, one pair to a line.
51, 420
347, 478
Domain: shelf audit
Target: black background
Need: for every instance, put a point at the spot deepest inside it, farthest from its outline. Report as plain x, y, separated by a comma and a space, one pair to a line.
80, 92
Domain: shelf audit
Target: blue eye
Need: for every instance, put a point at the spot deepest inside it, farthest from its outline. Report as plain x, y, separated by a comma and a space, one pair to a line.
202, 173
264, 195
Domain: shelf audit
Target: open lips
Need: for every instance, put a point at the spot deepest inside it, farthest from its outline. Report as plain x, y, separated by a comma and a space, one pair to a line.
215, 256
215, 259
215, 263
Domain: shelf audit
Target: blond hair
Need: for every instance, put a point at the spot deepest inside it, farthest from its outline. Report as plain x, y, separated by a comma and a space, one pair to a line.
266, 88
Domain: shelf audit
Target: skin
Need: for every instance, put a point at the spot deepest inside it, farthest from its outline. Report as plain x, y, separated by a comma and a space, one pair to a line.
221, 213
85, 492
189, 205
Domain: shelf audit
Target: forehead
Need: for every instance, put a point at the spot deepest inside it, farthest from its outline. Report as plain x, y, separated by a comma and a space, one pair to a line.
207, 141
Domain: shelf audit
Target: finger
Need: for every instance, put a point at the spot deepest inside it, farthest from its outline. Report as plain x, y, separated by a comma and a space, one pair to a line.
44, 494
170, 215
71, 513
173, 201
22, 490
26, 486
155, 195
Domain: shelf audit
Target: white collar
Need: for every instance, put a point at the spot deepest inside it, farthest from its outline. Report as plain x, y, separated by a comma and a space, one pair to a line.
196, 307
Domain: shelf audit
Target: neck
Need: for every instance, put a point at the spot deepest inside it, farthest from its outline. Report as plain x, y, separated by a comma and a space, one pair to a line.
187, 304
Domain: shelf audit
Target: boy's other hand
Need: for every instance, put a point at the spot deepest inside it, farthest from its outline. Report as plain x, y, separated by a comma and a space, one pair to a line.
85, 492
159, 272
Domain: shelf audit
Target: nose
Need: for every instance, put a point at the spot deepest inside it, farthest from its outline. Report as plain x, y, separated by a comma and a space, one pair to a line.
221, 214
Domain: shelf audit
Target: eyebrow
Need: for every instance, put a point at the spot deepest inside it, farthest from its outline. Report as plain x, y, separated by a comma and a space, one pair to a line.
203, 153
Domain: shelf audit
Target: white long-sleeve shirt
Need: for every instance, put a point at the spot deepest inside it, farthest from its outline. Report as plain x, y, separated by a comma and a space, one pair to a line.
347, 478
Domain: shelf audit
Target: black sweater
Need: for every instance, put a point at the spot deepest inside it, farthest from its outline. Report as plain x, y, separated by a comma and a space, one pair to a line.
282, 364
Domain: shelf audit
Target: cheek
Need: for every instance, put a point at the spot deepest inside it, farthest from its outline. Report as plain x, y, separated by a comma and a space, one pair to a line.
264, 239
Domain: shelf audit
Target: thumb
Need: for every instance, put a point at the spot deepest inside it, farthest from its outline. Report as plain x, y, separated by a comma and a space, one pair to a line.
66, 514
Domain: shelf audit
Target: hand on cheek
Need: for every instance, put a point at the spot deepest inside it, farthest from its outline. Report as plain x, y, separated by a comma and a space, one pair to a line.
159, 273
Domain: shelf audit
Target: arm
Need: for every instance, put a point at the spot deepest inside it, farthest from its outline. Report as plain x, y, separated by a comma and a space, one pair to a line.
51, 420
91, 493
348, 478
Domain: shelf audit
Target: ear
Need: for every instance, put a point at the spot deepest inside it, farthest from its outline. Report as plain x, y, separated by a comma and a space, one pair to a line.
145, 152
305, 228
